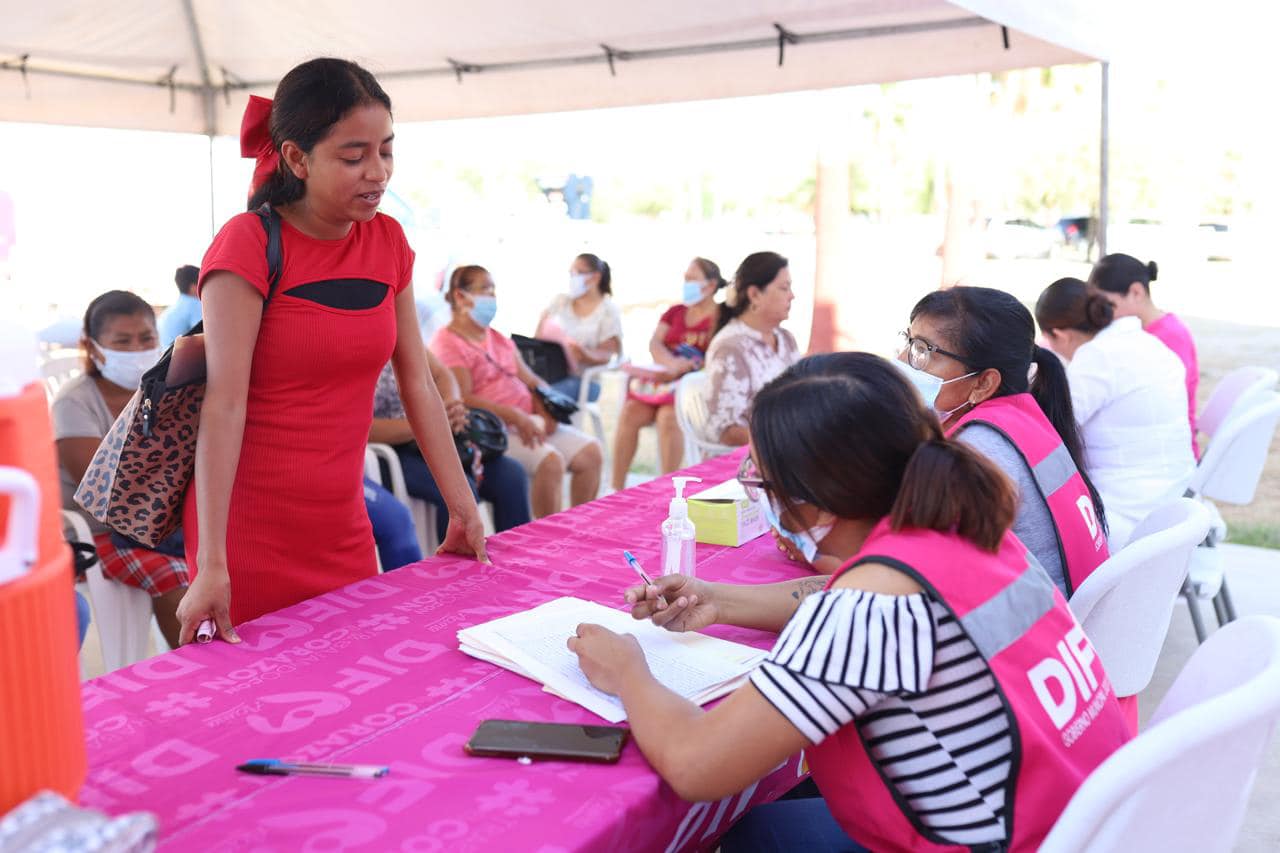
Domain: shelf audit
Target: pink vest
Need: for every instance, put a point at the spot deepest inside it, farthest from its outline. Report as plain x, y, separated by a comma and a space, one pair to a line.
1082, 544
1064, 716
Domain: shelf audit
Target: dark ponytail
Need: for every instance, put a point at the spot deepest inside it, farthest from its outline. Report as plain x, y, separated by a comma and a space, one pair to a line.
756, 270
711, 270
309, 101
1069, 303
1118, 272
1053, 394
949, 486
598, 265
847, 433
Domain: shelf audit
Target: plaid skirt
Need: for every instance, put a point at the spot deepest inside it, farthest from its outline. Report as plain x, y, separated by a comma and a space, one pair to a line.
141, 567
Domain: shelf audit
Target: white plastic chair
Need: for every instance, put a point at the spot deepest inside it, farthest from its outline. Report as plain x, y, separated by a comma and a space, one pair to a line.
1229, 472
122, 614
1236, 388
588, 410
692, 415
423, 513
1126, 604
1183, 784
59, 367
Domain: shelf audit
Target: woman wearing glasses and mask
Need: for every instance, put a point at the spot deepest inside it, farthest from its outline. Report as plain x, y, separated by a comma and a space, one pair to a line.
971, 352
923, 680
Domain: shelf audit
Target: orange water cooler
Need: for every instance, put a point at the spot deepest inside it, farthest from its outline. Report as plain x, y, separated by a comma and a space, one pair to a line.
42, 744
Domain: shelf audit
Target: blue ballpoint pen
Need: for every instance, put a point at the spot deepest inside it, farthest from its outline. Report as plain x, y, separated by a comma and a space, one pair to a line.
635, 564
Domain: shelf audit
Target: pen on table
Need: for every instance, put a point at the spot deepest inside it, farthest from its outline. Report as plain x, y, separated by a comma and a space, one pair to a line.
276, 767
639, 570
206, 631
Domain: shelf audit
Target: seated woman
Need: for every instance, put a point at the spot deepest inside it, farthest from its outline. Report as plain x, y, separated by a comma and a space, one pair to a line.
749, 348
120, 342
679, 344
1126, 281
502, 482
929, 714
1129, 394
393, 532
586, 321
492, 375
970, 351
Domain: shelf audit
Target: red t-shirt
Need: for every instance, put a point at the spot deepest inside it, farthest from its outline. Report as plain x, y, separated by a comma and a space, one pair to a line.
697, 336
297, 525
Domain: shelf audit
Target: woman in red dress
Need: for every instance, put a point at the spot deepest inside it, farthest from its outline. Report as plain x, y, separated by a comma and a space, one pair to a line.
276, 514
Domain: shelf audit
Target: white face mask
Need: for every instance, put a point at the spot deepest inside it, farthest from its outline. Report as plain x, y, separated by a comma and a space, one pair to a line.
577, 285
125, 367
930, 386
806, 541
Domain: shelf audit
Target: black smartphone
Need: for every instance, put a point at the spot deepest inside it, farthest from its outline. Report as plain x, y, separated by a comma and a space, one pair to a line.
521, 739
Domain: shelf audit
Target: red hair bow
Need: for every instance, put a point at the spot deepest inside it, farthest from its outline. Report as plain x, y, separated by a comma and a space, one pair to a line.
255, 140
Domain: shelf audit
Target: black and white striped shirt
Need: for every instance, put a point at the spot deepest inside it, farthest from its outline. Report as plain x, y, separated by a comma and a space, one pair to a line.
925, 702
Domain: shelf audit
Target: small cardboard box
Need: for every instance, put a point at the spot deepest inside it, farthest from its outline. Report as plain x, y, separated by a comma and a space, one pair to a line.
724, 515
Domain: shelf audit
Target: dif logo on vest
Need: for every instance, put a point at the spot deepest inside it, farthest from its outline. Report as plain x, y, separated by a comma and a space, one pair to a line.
1071, 686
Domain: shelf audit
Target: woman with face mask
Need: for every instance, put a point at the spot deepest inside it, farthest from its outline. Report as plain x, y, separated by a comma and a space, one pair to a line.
586, 321
971, 352
491, 375
924, 680
1129, 395
679, 345
120, 343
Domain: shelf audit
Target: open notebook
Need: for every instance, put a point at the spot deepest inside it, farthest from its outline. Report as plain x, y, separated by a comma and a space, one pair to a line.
533, 644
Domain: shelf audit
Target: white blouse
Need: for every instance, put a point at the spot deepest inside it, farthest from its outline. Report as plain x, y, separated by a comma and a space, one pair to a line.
741, 361
1129, 392
592, 330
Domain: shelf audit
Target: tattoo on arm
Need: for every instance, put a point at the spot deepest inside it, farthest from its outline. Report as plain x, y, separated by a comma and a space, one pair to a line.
807, 587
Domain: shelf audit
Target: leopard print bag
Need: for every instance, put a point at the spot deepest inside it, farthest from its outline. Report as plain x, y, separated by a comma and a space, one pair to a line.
138, 478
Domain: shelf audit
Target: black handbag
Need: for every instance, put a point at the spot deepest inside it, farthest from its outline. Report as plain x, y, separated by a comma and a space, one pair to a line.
545, 358
561, 407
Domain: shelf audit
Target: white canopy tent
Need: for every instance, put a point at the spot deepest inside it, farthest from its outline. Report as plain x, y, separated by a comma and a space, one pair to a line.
189, 65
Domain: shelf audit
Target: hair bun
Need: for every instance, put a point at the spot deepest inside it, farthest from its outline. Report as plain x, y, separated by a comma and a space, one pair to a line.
1152, 269
1098, 311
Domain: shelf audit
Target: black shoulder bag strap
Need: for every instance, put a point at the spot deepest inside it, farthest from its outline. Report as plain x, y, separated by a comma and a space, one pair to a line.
275, 249
275, 258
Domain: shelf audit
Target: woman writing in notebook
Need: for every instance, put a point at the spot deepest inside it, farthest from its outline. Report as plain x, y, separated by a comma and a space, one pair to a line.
924, 716
276, 514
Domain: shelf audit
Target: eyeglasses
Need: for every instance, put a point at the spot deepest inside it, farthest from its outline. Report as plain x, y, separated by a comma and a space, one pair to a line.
752, 483
919, 350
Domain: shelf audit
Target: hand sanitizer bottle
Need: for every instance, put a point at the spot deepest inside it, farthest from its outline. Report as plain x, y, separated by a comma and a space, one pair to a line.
678, 533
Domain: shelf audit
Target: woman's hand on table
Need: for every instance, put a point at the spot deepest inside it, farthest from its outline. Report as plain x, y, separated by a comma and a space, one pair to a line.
208, 597
608, 660
675, 602
465, 535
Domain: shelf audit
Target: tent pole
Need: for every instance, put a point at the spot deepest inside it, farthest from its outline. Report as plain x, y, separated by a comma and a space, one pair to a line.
213, 222
1104, 161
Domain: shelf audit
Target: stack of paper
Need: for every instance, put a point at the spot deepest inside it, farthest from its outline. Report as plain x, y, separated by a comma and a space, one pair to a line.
534, 644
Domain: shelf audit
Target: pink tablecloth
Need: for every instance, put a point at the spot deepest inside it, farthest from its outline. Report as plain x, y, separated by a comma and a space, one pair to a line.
371, 674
